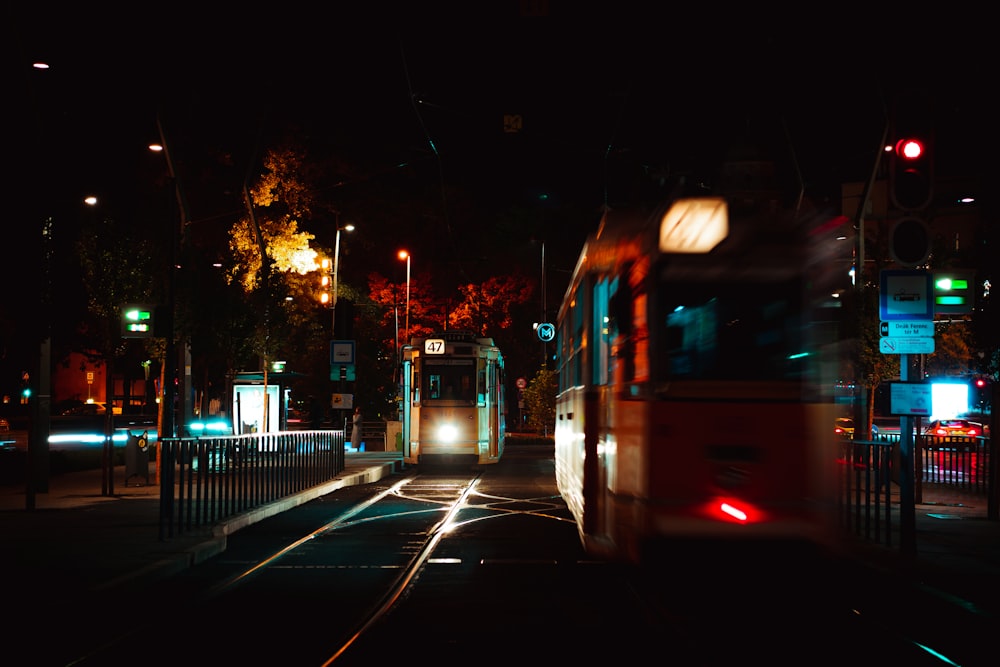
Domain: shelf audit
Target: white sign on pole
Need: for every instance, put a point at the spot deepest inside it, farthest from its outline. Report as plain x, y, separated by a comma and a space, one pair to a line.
906, 345
907, 329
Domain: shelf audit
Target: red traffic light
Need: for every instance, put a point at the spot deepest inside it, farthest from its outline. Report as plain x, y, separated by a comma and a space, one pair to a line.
911, 173
980, 382
909, 149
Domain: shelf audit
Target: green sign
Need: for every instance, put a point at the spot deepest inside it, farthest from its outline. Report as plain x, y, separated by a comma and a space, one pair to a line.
342, 372
953, 292
137, 321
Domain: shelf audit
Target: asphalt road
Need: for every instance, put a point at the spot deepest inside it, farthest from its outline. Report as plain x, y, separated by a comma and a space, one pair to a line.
507, 581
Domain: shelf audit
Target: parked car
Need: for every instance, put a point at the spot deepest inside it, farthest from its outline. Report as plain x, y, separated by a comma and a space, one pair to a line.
843, 427
90, 409
86, 409
955, 427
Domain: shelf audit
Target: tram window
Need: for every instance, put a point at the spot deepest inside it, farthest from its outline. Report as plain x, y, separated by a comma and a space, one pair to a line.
466, 387
730, 332
621, 312
435, 387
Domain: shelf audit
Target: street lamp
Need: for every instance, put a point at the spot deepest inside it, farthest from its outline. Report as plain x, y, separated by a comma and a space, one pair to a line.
336, 268
406, 327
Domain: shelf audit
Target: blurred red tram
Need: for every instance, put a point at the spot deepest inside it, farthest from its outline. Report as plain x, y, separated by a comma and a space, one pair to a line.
692, 350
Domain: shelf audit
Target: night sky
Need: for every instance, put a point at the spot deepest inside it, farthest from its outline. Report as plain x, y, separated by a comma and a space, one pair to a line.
421, 90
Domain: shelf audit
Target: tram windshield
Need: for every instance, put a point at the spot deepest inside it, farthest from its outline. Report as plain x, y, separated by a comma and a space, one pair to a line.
449, 379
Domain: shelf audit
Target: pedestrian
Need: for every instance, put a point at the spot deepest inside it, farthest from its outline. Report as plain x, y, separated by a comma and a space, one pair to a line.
356, 429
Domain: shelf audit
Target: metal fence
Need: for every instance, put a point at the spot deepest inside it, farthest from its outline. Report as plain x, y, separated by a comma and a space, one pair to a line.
869, 477
204, 480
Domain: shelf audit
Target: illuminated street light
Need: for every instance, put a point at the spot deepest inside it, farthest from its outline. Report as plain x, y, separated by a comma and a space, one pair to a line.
336, 269
406, 327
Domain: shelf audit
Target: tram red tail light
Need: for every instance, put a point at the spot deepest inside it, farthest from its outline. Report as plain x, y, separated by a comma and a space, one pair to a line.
733, 510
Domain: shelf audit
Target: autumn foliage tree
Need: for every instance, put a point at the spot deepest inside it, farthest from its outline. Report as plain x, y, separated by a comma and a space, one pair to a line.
483, 308
272, 258
486, 307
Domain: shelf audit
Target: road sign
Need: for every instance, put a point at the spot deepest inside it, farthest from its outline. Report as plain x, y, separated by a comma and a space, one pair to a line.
910, 398
906, 345
906, 295
343, 372
341, 351
342, 401
907, 329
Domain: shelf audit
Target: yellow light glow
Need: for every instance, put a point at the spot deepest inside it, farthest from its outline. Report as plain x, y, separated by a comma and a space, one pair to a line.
694, 225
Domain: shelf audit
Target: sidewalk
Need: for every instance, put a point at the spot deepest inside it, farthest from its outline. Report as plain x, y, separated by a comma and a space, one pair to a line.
77, 542
957, 550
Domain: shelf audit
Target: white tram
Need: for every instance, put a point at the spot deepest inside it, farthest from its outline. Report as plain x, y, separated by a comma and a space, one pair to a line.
453, 409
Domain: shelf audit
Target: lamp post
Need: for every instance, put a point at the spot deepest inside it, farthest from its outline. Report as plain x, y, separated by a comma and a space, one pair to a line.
406, 327
176, 357
336, 269
543, 320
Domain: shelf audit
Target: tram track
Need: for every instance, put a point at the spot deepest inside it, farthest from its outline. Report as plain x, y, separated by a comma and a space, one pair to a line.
407, 576
334, 580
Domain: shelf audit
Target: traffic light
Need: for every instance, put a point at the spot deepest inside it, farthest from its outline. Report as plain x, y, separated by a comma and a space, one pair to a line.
981, 384
137, 321
911, 155
911, 173
326, 283
910, 242
953, 293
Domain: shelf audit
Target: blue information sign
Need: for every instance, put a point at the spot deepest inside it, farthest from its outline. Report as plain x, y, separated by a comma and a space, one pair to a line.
906, 295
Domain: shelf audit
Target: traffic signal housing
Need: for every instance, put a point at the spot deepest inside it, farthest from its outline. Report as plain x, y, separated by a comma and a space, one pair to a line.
911, 173
982, 392
910, 242
326, 283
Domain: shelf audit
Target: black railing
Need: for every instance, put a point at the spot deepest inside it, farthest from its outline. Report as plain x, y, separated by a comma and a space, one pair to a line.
866, 488
372, 432
869, 477
204, 480
958, 461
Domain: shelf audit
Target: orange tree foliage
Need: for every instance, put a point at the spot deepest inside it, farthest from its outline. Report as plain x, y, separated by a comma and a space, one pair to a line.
483, 308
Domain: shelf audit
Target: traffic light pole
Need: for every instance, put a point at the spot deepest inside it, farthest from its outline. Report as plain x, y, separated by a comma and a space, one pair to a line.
907, 508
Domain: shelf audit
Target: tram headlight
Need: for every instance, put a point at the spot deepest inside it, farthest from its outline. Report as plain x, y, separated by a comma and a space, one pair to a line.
447, 433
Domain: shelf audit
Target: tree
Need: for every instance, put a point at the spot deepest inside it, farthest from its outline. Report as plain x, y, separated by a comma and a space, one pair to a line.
486, 307
274, 264
953, 355
864, 362
115, 271
540, 399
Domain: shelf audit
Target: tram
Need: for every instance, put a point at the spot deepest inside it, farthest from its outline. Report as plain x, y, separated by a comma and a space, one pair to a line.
453, 409
693, 349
